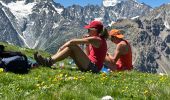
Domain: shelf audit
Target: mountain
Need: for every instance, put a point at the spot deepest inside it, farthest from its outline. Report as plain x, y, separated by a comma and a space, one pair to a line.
44, 24
150, 39
36, 24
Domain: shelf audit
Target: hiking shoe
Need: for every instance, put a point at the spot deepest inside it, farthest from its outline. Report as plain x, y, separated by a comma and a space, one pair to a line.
43, 61
36, 58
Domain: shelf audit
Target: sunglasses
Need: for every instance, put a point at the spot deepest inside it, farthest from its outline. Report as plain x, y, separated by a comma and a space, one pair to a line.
91, 29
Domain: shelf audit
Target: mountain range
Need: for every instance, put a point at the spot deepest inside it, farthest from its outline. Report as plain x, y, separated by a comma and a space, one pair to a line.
46, 25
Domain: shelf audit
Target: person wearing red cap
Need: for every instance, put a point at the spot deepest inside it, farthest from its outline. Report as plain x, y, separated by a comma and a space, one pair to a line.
122, 57
92, 59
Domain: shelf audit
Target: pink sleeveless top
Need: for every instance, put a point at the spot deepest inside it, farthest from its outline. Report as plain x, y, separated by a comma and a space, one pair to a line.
97, 55
125, 61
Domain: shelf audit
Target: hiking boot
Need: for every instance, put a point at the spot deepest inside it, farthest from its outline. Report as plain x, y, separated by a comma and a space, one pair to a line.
43, 61
36, 58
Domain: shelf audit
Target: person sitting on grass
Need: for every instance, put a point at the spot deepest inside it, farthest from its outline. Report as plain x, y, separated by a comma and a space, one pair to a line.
96, 48
122, 57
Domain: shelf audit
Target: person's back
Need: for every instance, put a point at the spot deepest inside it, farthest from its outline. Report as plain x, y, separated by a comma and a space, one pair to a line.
125, 60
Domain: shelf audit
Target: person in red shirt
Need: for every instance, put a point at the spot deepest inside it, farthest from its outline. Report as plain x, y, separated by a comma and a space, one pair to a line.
92, 59
122, 57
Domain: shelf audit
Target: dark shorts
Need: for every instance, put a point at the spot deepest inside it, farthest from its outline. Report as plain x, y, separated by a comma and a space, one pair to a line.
92, 68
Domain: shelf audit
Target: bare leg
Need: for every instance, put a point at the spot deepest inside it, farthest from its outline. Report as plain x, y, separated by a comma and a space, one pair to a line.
76, 53
60, 55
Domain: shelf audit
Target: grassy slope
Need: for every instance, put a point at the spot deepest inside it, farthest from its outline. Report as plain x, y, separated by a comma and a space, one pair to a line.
66, 84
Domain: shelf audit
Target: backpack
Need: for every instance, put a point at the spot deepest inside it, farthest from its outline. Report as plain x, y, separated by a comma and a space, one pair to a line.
14, 62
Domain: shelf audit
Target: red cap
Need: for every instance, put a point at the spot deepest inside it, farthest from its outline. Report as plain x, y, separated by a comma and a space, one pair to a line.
94, 24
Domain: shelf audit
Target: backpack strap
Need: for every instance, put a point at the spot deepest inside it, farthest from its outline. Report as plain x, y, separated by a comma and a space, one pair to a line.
6, 54
2, 47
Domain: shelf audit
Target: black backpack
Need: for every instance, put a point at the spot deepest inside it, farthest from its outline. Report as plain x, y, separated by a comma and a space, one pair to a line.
14, 62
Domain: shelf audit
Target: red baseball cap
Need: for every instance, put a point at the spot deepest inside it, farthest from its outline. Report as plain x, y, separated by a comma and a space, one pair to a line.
94, 24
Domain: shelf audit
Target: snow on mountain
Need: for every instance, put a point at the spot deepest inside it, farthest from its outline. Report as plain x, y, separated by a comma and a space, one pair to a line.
98, 19
59, 10
20, 9
167, 24
40, 22
108, 3
111, 23
55, 25
134, 17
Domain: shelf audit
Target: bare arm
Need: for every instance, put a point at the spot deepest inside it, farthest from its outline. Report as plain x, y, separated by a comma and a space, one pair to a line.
89, 40
118, 52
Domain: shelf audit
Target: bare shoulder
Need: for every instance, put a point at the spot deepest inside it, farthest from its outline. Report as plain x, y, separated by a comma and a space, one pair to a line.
123, 47
95, 41
122, 44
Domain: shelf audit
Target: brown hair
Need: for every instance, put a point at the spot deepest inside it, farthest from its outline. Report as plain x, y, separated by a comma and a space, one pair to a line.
103, 33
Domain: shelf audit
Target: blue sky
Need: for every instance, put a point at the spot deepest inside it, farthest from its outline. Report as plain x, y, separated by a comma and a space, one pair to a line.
152, 3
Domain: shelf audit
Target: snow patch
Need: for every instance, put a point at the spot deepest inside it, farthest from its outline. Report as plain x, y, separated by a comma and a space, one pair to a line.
30, 24
20, 9
46, 10
24, 40
108, 3
36, 43
55, 25
98, 19
59, 10
3, 3
112, 23
135, 17
167, 24
160, 14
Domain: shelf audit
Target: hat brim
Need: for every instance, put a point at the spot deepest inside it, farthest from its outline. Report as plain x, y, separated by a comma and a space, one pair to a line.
87, 27
116, 34
119, 36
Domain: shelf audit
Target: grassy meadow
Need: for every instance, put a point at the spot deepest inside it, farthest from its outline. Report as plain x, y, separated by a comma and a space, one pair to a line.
70, 84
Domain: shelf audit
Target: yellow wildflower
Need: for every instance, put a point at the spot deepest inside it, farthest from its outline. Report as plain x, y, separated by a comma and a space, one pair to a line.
1, 70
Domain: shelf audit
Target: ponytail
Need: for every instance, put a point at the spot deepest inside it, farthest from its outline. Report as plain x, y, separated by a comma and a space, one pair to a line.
104, 33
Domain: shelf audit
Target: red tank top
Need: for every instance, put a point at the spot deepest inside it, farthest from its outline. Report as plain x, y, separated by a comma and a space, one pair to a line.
97, 55
125, 61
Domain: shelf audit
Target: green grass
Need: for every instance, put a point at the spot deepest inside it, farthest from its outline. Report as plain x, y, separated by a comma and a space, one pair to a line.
68, 84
